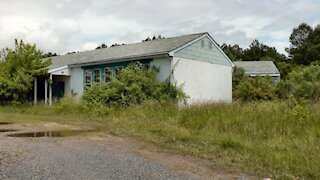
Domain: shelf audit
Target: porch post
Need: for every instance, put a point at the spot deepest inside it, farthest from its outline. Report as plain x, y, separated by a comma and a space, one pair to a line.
35, 91
50, 90
46, 91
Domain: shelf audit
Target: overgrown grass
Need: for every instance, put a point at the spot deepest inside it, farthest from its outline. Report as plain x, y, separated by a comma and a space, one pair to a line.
274, 139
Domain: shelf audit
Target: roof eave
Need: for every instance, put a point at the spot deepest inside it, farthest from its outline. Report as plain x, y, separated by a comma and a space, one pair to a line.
108, 61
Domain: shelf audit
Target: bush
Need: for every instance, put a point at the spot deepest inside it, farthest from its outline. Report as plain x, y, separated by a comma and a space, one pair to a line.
134, 85
303, 83
257, 88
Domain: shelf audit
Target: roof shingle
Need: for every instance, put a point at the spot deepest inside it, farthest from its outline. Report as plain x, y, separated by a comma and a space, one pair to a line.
257, 67
128, 51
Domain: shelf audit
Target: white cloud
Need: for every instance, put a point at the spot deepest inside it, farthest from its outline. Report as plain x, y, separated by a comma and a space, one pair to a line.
70, 25
89, 46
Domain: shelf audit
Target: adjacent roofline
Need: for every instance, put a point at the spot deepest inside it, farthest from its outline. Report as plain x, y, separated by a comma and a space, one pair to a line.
263, 74
171, 53
50, 71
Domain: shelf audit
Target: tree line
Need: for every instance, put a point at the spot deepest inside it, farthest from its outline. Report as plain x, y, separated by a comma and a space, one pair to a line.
304, 50
300, 70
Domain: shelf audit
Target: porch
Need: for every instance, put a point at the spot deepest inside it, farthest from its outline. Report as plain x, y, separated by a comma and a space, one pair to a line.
52, 87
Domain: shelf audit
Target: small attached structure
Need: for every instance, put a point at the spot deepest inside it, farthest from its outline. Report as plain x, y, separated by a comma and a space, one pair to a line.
259, 68
194, 61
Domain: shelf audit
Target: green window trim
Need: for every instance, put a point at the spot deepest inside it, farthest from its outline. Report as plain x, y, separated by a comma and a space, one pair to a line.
117, 70
103, 69
108, 74
97, 75
88, 77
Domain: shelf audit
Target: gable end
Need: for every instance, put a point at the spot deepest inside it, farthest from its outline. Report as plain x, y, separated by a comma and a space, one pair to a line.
203, 49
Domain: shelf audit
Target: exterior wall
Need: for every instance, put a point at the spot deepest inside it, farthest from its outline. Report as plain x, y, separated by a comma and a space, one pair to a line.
203, 81
205, 51
113, 66
76, 82
164, 65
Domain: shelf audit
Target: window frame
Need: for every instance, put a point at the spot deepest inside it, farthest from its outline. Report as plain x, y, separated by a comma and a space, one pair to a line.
106, 75
94, 75
115, 70
88, 84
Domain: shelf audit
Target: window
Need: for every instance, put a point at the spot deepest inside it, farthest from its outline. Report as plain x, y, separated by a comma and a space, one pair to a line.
88, 74
146, 66
108, 74
97, 76
118, 70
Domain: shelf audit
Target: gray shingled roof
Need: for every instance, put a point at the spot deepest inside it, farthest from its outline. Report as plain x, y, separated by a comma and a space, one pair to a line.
129, 51
258, 67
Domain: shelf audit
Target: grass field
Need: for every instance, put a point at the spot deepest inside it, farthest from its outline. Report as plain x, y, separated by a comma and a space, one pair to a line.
270, 139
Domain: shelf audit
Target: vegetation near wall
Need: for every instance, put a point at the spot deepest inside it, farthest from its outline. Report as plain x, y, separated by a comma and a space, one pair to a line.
135, 85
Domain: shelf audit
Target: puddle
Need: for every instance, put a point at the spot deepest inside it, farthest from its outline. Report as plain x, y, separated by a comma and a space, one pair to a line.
49, 133
5, 123
7, 130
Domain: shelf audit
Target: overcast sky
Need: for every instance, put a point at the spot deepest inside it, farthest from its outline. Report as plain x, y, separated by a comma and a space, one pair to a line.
76, 25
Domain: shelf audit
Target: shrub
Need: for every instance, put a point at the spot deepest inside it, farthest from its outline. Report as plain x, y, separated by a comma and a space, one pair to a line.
257, 88
134, 85
303, 83
237, 75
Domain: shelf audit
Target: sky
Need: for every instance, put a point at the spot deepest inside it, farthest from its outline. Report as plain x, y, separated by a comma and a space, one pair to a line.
63, 26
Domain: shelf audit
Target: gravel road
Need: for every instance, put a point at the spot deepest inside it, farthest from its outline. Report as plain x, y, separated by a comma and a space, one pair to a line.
94, 157
72, 158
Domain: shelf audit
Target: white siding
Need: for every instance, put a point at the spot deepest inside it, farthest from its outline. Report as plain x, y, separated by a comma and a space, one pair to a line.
76, 81
164, 65
203, 81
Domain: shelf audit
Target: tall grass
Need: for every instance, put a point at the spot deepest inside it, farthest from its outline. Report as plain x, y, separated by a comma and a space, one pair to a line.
275, 139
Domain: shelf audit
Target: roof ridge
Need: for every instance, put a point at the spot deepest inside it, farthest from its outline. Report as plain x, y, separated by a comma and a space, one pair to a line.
80, 52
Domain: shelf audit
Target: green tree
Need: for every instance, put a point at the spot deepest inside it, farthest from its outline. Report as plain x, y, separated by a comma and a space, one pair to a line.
305, 44
260, 52
18, 67
234, 52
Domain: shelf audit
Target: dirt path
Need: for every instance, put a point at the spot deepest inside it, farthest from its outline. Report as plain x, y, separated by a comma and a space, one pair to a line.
94, 157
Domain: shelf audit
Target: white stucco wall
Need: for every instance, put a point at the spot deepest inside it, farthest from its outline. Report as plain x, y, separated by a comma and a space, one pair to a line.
164, 65
203, 81
76, 81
